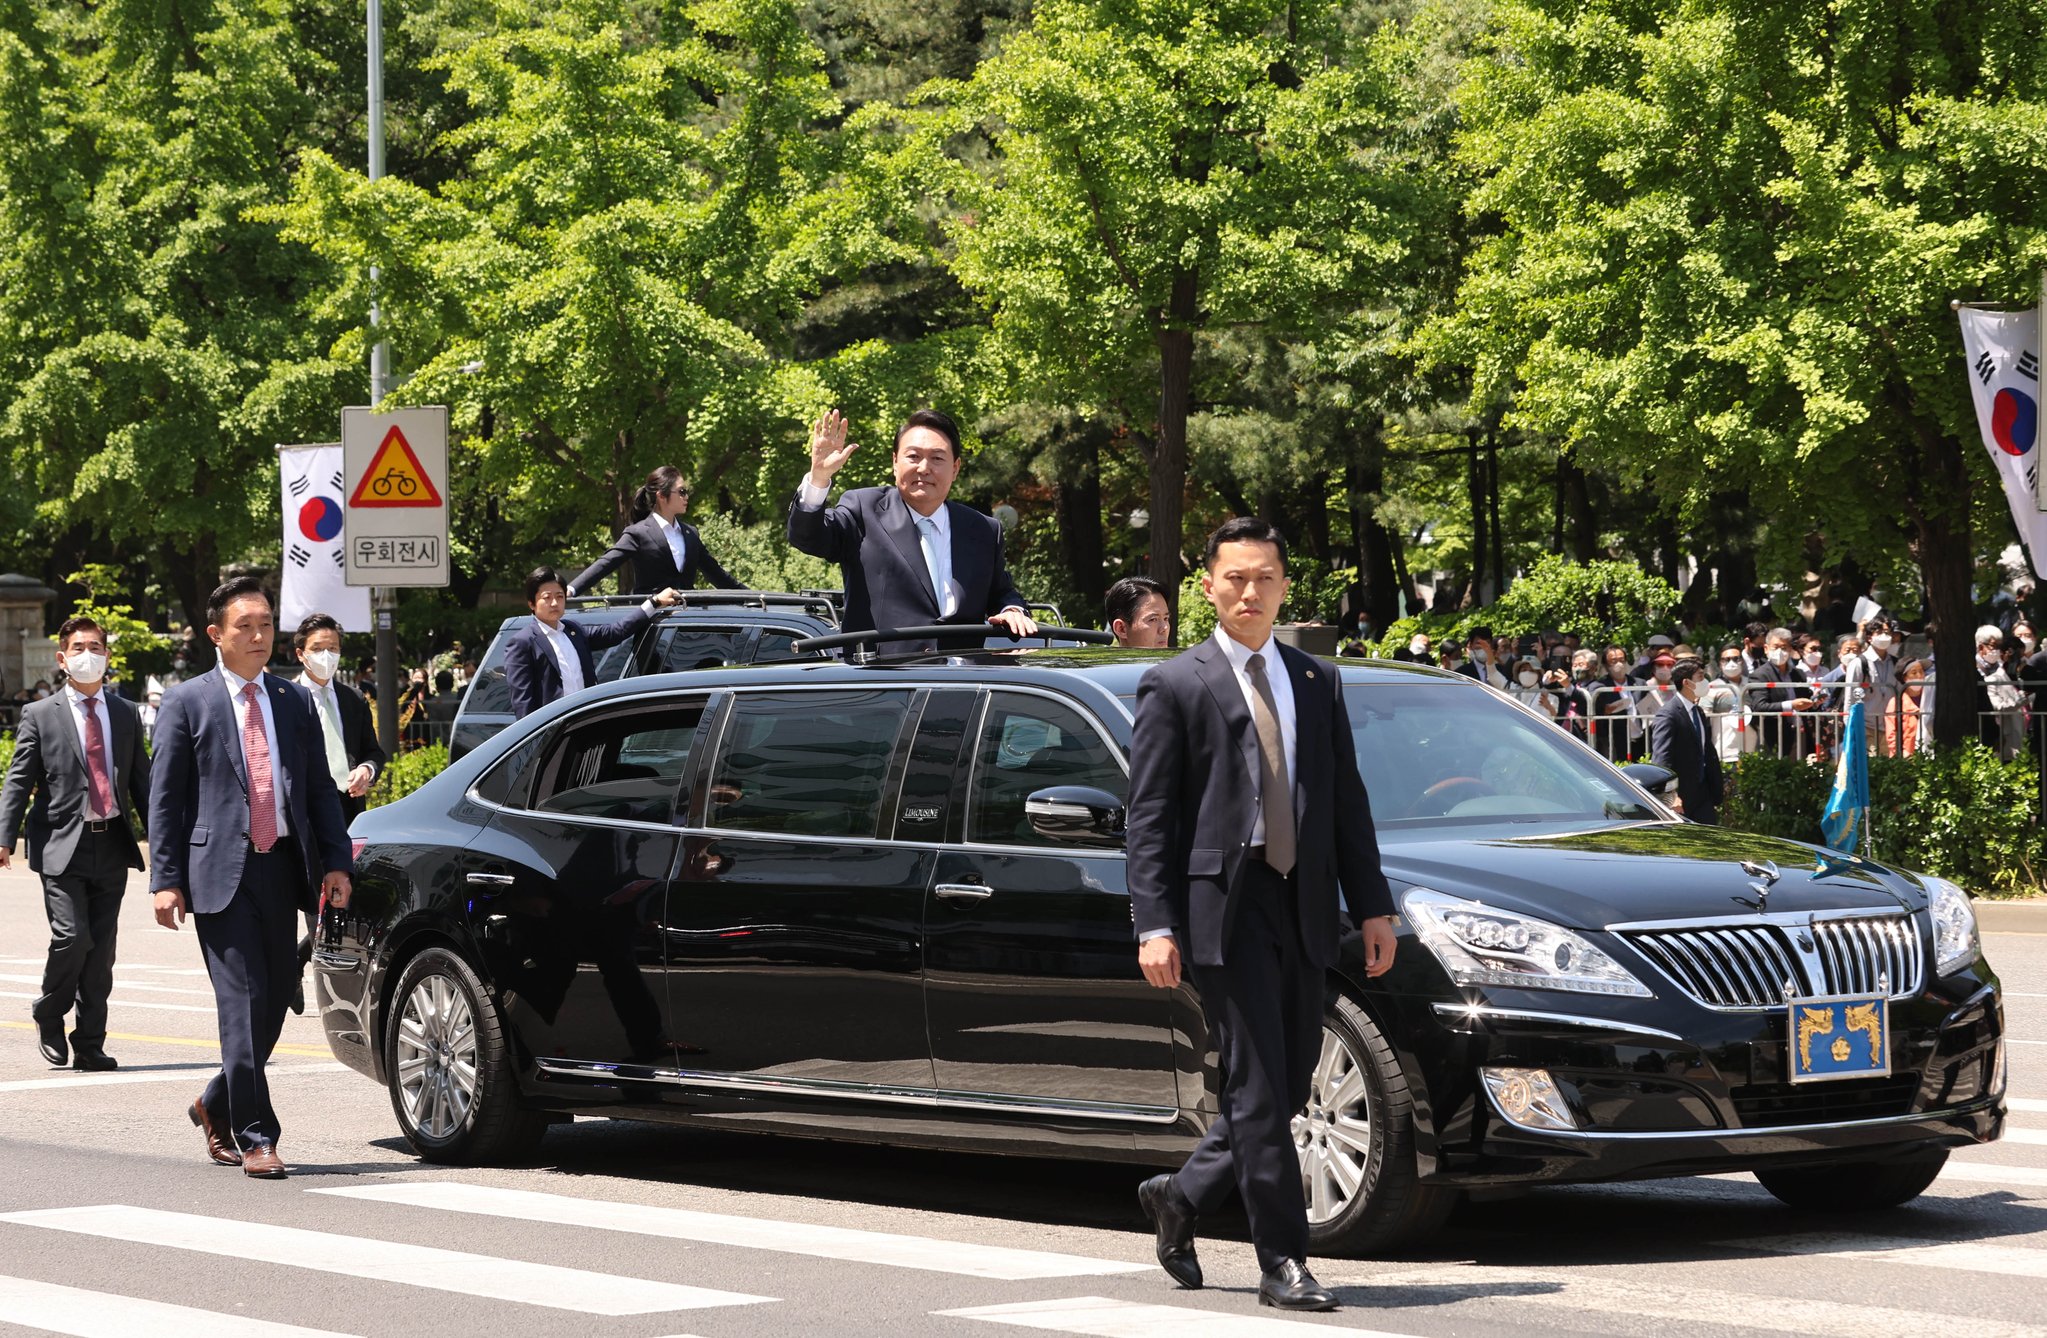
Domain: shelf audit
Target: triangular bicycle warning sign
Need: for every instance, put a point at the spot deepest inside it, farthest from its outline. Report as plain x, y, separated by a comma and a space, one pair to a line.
395, 477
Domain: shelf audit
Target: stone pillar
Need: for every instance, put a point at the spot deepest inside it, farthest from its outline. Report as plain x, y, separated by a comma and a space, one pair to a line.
24, 647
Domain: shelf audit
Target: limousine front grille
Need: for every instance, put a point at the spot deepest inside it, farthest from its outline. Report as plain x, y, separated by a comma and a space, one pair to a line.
1750, 965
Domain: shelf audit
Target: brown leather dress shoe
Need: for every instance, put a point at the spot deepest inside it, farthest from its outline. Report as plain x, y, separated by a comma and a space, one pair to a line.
261, 1162
219, 1147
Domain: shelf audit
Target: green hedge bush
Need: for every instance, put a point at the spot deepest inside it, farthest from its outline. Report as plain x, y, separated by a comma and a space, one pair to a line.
408, 772
1961, 813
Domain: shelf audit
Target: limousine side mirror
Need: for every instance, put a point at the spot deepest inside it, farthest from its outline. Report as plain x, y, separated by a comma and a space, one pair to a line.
1079, 814
1659, 781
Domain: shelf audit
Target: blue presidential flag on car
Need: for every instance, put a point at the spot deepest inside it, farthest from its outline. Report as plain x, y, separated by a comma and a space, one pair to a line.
1848, 803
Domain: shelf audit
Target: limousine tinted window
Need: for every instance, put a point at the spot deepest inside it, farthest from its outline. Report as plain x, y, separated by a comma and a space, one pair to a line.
624, 766
806, 763
1029, 743
684, 646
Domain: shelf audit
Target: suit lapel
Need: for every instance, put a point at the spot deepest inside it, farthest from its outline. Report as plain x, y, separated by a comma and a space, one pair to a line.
658, 557
902, 531
1311, 719
1216, 675
970, 566
284, 730
68, 715
213, 699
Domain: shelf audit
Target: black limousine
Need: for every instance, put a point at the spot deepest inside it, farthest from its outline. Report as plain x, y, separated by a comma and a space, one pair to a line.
885, 901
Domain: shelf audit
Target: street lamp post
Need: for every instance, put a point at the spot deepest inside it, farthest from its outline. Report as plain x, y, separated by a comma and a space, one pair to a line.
383, 598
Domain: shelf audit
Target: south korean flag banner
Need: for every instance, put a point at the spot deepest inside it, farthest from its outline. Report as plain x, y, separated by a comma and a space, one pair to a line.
314, 578
2003, 348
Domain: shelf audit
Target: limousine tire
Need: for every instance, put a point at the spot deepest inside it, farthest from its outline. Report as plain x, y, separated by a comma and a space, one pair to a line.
1356, 1145
1855, 1187
449, 1062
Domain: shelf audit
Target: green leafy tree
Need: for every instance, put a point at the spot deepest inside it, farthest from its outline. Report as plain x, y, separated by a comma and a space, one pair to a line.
1160, 172
132, 648
1728, 235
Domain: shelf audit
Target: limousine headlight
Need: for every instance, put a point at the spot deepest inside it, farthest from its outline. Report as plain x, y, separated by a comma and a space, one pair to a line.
1483, 945
1954, 926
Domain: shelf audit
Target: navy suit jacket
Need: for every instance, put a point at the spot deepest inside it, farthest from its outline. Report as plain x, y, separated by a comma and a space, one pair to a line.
654, 568
531, 672
49, 765
873, 538
1674, 746
199, 791
1194, 799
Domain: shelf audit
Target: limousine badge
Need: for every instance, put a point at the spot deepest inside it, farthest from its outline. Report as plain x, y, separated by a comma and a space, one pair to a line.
1766, 876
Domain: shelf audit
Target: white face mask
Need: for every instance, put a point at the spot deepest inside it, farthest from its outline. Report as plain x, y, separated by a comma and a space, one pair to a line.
2027, 642
1780, 657
1480, 656
1417, 647
1880, 642
1731, 670
85, 666
1527, 678
323, 663
1814, 658
1662, 672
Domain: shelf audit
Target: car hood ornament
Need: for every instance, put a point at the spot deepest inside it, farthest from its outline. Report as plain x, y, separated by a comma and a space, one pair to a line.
1766, 876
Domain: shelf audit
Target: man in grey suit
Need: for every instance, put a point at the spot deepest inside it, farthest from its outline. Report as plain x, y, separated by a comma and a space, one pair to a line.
909, 556
80, 755
244, 823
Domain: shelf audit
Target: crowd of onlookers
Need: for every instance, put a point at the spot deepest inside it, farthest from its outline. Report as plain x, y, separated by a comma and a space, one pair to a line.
1770, 688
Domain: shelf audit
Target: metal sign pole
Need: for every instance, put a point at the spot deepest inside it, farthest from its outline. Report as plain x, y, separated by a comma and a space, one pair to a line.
383, 598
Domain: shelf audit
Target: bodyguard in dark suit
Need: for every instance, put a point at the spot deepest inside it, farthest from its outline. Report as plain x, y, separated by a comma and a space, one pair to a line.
1681, 744
909, 556
1246, 812
79, 755
244, 825
552, 657
666, 551
348, 736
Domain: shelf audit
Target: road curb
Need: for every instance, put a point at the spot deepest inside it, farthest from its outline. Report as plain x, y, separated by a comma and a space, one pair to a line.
2028, 915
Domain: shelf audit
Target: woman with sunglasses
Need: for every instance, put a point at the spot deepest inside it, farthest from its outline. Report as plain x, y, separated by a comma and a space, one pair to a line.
666, 551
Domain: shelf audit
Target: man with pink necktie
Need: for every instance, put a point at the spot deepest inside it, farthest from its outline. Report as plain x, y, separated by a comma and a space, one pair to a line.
244, 825
80, 754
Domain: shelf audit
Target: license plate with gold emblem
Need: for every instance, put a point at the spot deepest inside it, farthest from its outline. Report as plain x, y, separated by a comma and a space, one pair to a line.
1843, 1036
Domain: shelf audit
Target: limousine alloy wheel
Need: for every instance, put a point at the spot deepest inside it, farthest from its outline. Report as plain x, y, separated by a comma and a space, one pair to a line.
450, 1069
1355, 1140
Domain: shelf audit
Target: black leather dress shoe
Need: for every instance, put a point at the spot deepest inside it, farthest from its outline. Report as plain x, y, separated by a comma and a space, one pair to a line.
52, 1043
298, 994
1292, 1287
1173, 1218
93, 1060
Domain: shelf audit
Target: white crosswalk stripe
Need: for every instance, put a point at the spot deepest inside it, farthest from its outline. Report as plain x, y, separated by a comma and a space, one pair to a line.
146, 986
387, 1261
1102, 1317
1962, 1256
121, 1001
196, 1074
84, 1314
824, 1242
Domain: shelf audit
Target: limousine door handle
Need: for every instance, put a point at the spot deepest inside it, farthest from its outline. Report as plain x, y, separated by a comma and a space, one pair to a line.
489, 879
963, 891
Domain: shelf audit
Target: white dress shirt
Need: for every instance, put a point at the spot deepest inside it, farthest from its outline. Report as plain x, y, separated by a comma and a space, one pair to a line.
96, 703
235, 682
565, 657
811, 497
1276, 675
326, 699
677, 544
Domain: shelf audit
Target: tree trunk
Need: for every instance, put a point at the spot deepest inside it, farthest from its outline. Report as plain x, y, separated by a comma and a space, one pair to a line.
1499, 582
1078, 501
1937, 500
193, 573
1475, 493
1314, 511
1365, 482
1576, 523
1175, 338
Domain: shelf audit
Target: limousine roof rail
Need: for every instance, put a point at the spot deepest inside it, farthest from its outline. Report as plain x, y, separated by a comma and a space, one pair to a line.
828, 600
942, 632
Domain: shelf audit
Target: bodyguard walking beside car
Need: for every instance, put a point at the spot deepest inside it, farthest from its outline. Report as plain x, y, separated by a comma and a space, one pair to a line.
1246, 812
244, 822
79, 756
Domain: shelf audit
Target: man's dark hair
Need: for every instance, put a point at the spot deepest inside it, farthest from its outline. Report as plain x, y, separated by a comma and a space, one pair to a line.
1684, 669
1244, 530
938, 421
78, 622
540, 576
315, 622
1127, 596
444, 680
227, 592
1755, 632
1479, 633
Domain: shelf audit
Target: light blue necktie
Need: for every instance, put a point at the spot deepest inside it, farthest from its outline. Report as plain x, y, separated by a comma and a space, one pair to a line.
935, 563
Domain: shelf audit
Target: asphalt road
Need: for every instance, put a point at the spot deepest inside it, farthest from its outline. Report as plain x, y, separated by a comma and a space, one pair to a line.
112, 1222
